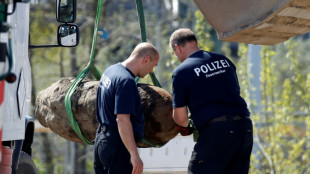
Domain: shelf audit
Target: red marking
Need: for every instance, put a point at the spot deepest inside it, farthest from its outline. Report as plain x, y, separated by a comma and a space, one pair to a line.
2, 91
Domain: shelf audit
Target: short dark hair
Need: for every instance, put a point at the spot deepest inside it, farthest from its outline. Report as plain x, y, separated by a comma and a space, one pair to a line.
181, 37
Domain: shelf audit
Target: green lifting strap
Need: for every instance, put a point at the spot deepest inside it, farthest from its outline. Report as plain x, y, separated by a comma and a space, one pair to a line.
143, 36
90, 67
153, 77
97, 73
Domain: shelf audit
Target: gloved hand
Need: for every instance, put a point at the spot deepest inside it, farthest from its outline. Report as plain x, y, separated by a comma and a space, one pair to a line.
185, 131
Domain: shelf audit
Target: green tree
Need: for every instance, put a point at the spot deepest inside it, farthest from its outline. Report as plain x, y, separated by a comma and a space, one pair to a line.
283, 134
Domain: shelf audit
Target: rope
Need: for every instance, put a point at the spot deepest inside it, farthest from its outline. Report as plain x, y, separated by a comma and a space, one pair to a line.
90, 67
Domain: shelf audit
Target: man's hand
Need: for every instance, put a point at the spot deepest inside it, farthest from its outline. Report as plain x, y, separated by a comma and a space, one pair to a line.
137, 164
185, 131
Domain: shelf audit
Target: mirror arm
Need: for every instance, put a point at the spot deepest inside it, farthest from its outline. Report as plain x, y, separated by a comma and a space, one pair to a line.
43, 46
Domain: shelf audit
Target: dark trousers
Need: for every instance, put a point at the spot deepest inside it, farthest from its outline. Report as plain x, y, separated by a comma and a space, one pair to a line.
110, 153
223, 148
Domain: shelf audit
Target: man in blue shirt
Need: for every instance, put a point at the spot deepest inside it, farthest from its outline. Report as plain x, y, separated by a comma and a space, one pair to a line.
119, 113
206, 84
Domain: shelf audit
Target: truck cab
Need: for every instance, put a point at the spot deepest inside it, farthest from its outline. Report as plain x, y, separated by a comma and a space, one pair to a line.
16, 124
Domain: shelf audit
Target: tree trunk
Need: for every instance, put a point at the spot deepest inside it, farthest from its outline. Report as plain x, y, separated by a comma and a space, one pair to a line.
49, 165
80, 160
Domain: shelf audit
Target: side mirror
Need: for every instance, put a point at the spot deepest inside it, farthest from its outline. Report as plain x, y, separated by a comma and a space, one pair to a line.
66, 11
68, 35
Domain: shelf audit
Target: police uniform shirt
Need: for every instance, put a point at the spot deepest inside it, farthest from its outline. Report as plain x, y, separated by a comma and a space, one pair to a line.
118, 94
207, 83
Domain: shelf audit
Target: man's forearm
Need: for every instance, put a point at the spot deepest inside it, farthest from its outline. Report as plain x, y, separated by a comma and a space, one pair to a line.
127, 136
180, 116
126, 133
183, 123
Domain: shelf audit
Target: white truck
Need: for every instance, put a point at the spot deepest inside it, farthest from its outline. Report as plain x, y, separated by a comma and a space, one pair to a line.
16, 124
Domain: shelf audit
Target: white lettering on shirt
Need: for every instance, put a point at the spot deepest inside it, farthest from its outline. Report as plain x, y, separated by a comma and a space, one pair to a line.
204, 69
212, 66
209, 67
215, 73
218, 66
223, 63
197, 71
227, 63
105, 81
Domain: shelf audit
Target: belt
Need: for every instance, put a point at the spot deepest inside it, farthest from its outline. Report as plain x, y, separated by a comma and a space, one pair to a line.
105, 128
225, 118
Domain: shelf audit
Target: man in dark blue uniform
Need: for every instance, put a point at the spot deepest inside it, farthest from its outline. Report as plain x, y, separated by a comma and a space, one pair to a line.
119, 113
206, 84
